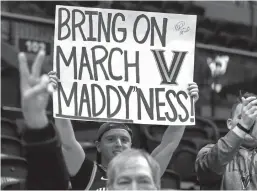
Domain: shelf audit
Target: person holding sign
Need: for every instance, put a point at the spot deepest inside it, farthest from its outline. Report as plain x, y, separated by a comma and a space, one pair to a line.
231, 163
112, 139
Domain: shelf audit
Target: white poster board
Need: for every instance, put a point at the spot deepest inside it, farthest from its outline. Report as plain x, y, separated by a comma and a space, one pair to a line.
124, 66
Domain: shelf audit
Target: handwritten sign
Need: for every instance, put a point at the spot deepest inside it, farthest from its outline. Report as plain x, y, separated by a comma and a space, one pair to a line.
124, 66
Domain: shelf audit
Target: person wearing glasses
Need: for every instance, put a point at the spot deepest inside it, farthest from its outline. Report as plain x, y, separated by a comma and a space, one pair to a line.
231, 163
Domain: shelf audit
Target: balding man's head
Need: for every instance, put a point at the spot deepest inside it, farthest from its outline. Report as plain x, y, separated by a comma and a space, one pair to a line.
133, 170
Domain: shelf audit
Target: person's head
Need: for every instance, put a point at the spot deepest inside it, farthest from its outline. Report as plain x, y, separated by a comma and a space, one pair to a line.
251, 139
133, 169
112, 139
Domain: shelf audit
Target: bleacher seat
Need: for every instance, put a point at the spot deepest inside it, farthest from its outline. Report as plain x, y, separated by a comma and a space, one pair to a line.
136, 141
5, 30
85, 131
253, 46
209, 126
204, 129
195, 10
192, 132
11, 113
183, 162
157, 131
12, 166
188, 143
11, 146
229, 27
203, 34
117, 5
220, 123
20, 125
173, 7
131, 5
9, 183
152, 141
39, 31
221, 39
212, 25
240, 42
151, 6
170, 180
8, 128
202, 142
222, 126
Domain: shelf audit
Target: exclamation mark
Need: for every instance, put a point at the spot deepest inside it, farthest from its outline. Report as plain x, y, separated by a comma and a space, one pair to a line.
192, 110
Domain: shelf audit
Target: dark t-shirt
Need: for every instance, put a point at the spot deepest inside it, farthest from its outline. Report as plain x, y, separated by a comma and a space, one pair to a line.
90, 177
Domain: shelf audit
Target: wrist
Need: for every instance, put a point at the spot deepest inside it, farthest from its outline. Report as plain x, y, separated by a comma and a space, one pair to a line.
245, 125
239, 132
38, 121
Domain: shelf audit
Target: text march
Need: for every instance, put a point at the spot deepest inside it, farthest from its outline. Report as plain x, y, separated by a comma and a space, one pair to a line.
124, 66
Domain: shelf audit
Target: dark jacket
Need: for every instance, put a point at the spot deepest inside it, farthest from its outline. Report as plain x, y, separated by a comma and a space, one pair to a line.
46, 165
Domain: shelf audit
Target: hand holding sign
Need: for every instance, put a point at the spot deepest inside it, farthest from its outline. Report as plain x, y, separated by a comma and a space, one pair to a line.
33, 91
193, 91
53, 81
101, 66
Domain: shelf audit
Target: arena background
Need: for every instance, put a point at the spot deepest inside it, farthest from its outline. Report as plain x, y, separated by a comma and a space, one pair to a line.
225, 62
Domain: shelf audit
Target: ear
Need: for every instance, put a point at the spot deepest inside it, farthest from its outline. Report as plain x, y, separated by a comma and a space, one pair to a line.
229, 123
97, 144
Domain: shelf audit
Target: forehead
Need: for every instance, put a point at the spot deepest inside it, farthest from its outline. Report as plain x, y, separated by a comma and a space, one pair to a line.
134, 166
117, 132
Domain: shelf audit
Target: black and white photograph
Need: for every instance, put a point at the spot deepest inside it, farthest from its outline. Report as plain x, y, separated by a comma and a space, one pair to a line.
128, 95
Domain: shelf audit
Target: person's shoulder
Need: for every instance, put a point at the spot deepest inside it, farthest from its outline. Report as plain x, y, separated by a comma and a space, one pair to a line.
87, 164
83, 176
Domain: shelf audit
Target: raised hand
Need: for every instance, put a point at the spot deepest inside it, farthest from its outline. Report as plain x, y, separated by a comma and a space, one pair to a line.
53, 81
193, 91
249, 112
34, 95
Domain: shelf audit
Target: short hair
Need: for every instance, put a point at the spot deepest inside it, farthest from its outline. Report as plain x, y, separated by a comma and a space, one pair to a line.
106, 127
239, 101
125, 156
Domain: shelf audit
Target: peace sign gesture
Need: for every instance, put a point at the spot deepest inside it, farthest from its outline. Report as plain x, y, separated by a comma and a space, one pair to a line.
34, 95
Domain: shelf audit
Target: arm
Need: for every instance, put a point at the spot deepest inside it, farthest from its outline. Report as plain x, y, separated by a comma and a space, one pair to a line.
79, 167
172, 136
170, 141
213, 161
73, 152
46, 167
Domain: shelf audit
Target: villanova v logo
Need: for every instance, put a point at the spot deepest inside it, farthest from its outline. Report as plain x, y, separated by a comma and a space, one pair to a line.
169, 76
